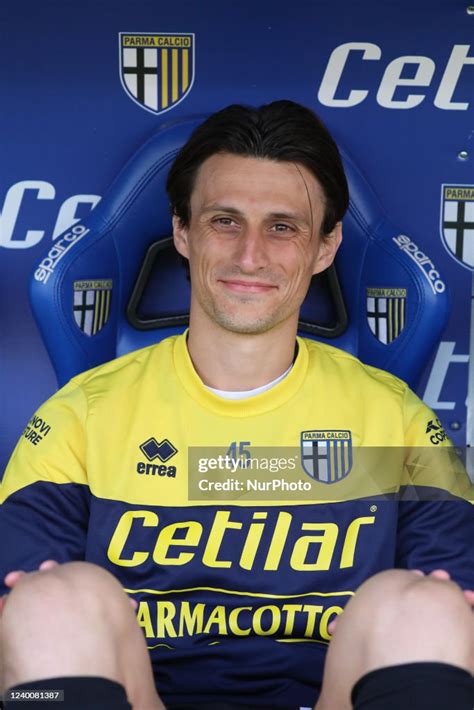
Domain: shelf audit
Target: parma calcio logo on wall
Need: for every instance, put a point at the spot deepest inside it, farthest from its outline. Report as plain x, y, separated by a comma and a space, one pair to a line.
157, 69
457, 222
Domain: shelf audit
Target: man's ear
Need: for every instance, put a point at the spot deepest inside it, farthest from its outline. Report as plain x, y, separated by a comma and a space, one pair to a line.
180, 237
329, 244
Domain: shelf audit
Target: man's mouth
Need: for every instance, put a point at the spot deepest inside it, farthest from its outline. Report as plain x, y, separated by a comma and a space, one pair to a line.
242, 286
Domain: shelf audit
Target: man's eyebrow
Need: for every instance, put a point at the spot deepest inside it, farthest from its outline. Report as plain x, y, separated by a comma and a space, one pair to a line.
221, 208
297, 216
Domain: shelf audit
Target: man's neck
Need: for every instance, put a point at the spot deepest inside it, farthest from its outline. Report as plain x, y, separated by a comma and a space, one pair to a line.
238, 362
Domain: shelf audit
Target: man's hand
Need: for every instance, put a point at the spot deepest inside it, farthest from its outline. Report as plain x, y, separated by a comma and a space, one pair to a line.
12, 577
437, 574
442, 574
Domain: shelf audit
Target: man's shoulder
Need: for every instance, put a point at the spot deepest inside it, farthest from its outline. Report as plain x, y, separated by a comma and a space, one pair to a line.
344, 365
127, 368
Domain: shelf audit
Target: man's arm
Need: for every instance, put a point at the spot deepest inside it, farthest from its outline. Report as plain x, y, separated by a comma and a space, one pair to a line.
44, 496
436, 514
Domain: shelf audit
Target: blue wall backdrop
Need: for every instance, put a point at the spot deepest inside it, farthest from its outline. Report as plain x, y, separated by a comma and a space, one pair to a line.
394, 81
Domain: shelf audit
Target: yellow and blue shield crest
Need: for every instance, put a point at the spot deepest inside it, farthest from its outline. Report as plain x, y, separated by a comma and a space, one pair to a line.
457, 222
91, 304
326, 455
386, 312
157, 69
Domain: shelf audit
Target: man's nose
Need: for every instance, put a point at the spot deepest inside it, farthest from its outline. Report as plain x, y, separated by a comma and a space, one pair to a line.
251, 250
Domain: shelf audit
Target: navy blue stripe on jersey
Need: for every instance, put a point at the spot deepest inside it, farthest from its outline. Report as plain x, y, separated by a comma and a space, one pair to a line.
248, 591
40, 522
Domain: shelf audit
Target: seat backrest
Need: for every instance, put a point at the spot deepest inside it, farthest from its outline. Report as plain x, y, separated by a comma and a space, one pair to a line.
112, 283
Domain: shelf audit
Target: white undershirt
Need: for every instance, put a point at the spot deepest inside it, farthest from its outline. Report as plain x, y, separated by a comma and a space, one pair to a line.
249, 393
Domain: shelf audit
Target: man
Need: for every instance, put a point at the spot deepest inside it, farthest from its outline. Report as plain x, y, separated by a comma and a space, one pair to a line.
237, 592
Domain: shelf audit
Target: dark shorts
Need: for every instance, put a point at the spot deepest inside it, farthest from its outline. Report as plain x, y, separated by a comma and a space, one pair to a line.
414, 686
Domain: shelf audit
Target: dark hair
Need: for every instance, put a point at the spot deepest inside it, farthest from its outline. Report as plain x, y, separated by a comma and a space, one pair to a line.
282, 130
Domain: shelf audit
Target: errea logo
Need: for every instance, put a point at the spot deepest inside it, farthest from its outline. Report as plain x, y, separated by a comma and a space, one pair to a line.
162, 450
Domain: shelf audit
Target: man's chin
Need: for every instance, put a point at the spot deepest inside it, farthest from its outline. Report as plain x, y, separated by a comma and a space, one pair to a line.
245, 326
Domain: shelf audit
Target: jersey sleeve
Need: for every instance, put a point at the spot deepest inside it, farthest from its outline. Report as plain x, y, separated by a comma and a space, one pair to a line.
44, 496
436, 515
432, 465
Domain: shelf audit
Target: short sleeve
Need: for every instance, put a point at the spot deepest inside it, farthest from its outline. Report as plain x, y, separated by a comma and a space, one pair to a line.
432, 465
44, 496
436, 515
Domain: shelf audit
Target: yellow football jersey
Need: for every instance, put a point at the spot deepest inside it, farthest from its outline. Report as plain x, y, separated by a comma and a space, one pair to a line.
240, 526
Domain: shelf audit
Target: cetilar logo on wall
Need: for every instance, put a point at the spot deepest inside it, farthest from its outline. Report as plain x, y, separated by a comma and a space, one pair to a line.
457, 222
157, 70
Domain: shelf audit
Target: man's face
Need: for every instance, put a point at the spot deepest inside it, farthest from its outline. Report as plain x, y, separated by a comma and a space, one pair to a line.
253, 241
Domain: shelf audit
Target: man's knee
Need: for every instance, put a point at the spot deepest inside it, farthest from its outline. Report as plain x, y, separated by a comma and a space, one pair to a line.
76, 588
407, 595
414, 618
75, 616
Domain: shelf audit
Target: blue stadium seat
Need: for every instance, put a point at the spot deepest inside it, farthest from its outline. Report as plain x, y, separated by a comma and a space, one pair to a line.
113, 282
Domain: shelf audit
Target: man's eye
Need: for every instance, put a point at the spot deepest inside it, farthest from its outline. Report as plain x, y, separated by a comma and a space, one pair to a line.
282, 227
224, 221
